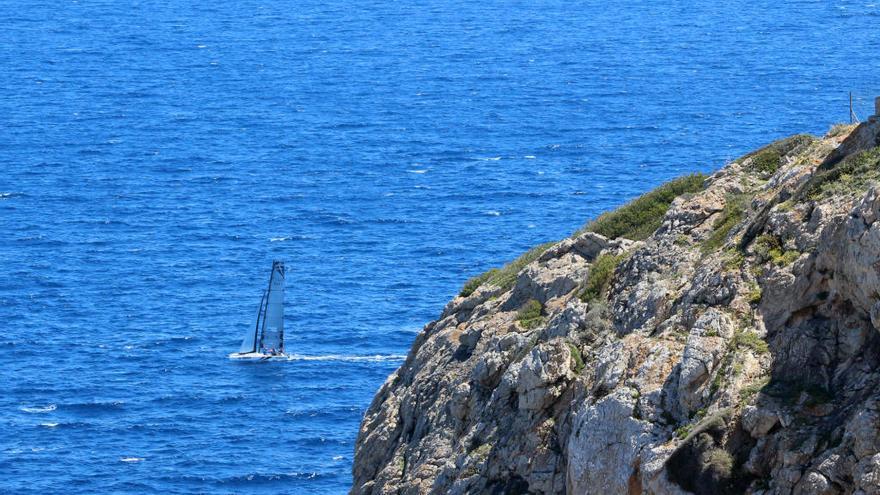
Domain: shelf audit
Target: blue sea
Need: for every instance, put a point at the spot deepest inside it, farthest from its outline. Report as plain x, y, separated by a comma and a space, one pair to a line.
156, 156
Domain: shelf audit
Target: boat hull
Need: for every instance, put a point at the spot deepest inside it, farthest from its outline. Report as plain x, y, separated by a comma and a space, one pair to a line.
257, 356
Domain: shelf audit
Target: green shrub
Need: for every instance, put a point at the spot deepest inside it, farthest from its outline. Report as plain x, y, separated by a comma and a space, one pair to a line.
763, 245
719, 462
482, 451
732, 214
755, 293
733, 259
599, 277
784, 258
750, 340
505, 276
577, 357
682, 431
767, 160
474, 283
841, 129
768, 247
639, 218
529, 316
851, 176
750, 390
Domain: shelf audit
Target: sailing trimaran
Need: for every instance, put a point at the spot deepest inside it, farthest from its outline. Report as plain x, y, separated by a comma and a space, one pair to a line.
266, 340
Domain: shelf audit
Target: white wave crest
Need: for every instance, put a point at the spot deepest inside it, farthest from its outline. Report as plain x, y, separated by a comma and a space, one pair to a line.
131, 459
38, 409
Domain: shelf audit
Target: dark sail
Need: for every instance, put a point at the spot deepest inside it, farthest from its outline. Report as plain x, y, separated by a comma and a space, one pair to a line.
272, 335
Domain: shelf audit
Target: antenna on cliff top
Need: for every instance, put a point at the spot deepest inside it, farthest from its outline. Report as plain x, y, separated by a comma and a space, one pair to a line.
852, 114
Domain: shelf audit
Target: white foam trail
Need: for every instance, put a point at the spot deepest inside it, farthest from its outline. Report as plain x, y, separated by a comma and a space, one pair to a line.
529, 157
350, 358
276, 239
493, 213
37, 410
131, 459
419, 171
49, 425
490, 159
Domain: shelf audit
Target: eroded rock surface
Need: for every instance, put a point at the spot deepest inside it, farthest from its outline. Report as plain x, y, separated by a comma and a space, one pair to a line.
735, 350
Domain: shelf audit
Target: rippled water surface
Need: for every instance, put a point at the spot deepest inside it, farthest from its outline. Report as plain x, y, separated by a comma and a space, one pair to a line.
156, 156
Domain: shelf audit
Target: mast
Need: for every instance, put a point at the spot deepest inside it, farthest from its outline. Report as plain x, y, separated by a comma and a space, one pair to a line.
263, 329
260, 314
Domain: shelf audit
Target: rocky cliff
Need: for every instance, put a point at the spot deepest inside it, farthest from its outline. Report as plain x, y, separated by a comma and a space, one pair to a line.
718, 335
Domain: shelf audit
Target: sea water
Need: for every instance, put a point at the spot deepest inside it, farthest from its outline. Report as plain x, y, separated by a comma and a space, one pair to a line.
156, 156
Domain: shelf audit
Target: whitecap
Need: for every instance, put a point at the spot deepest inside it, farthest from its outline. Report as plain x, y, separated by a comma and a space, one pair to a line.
278, 239
490, 159
202, 46
418, 171
493, 213
49, 425
347, 357
338, 457
529, 157
38, 409
131, 459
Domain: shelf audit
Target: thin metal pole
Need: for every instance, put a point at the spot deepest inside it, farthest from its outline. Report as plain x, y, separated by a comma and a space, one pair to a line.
263, 328
257, 326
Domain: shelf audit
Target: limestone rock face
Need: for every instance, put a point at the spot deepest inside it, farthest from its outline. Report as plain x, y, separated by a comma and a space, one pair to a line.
735, 350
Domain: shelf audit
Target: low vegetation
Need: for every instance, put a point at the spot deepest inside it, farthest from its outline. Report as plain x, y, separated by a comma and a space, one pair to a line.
639, 218
529, 316
841, 129
732, 259
474, 283
747, 339
851, 176
734, 210
768, 159
751, 390
683, 431
577, 358
599, 277
755, 293
636, 220
505, 276
767, 247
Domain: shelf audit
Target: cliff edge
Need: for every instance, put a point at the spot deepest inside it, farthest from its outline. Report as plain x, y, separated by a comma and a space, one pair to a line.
720, 334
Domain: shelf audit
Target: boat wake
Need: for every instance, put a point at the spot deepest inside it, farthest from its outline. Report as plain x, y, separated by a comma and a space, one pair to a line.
350, 358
